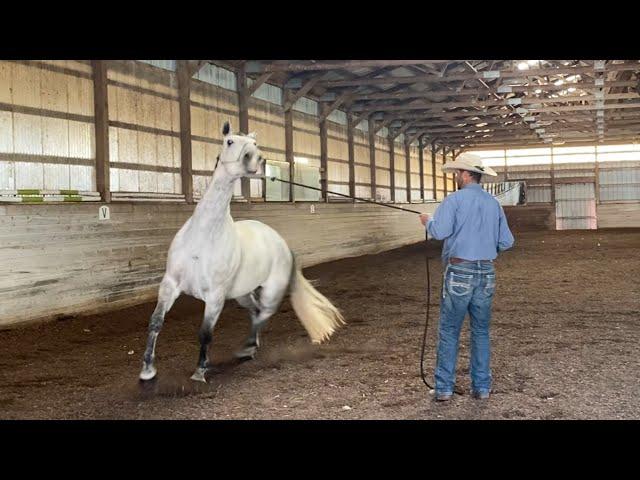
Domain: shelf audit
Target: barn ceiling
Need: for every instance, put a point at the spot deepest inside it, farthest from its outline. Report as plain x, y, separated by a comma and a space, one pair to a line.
470, 103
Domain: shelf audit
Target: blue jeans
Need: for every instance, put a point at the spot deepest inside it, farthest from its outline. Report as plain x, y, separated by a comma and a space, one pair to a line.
467, 287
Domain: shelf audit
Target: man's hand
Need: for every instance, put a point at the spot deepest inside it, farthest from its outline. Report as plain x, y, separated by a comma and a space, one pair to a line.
424, 218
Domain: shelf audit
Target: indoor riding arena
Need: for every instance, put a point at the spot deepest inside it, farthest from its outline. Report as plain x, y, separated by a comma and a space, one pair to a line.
102, 163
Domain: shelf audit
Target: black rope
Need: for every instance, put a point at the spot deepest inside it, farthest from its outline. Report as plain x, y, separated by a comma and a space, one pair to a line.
273, 179
426, 255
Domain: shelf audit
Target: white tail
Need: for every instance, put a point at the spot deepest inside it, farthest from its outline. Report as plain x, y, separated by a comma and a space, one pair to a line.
316, 313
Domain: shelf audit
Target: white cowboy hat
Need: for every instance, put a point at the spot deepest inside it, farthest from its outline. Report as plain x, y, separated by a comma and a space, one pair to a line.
469, 162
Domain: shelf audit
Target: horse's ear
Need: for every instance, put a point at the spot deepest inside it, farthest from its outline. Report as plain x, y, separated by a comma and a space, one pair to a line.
252, 135
226, 129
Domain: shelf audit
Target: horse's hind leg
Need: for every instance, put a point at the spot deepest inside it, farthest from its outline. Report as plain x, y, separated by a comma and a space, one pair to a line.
262, 303
167, 294
214, 305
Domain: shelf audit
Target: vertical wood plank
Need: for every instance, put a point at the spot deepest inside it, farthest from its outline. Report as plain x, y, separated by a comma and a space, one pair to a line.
433, 169
184, 102
101, 124
444, 174
352, 165
324, 153
407, 154
288, 143
421, 167
243, 116
372, 156
392, 167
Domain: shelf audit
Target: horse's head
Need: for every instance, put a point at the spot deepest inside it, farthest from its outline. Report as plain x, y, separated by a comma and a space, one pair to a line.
240, 155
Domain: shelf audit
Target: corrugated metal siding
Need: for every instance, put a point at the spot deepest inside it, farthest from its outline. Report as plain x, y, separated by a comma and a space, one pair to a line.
338, 116
575, 206
218, 76
306, 105
268, 93
165, 64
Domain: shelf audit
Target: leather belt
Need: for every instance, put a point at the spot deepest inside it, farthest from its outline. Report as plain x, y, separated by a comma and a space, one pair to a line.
461, 260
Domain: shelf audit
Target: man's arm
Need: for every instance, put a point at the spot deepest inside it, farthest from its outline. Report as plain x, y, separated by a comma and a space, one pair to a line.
505, 237
441, 225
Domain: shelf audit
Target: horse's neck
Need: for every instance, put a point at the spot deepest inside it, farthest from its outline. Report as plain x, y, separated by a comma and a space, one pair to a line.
212, 213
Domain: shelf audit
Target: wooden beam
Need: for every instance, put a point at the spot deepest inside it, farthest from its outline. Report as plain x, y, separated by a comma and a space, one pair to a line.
486, 104
301, 92
392, 167
407, 154
444, 174
101, 125
550, 87
421, 166
289, 66
484, 75
352, 169
288, 145
251, 89
243, 114
194, 66
184, 105
324, 156
433, 170
372, 157
333, 106
404, 128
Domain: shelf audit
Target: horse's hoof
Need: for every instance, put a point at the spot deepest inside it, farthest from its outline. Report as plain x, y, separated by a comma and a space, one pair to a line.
246, 354
148, 373
198, 376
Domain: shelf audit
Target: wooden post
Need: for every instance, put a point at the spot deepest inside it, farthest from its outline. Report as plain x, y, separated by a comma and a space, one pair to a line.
433, 170
184, 103
101, 124
392, 167
352, 164
407, 154
372, 157
421, 167
288, 144
243, 114
453, 178
597, 179
553, 181
506, 174
444, 174
324, 174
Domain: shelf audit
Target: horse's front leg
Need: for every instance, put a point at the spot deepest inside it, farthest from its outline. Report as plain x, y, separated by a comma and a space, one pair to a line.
214, 305
167, 294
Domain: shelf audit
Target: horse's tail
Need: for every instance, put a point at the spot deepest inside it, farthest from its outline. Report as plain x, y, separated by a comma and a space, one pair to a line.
316, 313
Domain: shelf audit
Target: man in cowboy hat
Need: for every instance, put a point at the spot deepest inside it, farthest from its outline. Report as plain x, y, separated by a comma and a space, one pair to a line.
474, 229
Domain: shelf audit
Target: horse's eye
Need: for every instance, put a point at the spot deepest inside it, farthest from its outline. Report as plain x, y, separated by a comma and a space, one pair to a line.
229, 142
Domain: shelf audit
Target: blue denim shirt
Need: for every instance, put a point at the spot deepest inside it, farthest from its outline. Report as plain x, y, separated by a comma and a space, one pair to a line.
472, 224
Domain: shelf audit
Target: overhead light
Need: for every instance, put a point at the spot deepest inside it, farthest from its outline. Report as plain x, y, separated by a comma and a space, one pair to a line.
571, 89
554, 96
481, 124
538, 90
523, 66
558, 82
